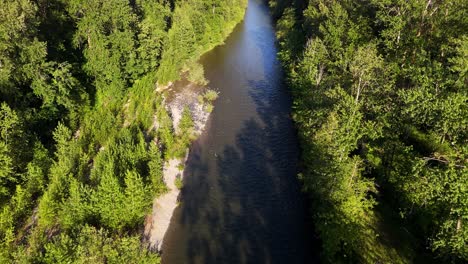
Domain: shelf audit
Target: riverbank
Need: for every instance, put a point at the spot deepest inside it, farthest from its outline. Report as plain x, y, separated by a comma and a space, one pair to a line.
241, 199
179, 96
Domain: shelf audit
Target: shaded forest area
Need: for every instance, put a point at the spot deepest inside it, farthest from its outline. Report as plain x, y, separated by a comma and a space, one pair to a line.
380, 93
83, 133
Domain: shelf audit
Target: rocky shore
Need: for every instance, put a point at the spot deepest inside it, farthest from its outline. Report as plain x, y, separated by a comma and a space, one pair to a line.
178, 96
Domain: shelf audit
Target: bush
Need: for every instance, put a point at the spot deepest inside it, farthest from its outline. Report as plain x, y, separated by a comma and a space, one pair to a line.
200, 99
196, 73
178, 182
211, 95
209, 108
181, 166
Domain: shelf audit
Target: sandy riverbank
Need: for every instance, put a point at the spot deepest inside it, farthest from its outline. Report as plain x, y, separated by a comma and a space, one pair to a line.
180, 95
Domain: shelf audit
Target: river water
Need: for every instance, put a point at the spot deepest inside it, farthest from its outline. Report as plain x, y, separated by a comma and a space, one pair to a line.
241, 201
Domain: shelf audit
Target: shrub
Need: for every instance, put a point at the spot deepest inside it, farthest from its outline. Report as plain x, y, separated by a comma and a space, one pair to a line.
178, 182
209, 108
211, 95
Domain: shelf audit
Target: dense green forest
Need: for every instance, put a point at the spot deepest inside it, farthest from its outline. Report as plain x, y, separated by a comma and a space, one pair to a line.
380, 92
80, 152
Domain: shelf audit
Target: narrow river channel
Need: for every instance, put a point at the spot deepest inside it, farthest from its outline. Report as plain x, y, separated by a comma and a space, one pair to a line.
241, 201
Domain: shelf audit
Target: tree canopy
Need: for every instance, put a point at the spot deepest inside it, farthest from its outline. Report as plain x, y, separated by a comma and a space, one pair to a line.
380, 101
80, 158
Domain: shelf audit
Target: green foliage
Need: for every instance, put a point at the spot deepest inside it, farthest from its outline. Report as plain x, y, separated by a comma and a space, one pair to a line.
152, 33
209, 108
181, 166
186, 124
196, 73
165, 131
6, 171
78, 79
96, 246
290, 40
197, 27
37, 169
178, 182
109, 198
380, 99
21, 51
210, 95
106, 29
137, 198
57, 86
181, 38
13, 153
142, 102
74, 209
9, 124
155, 166
207, 99
184, 136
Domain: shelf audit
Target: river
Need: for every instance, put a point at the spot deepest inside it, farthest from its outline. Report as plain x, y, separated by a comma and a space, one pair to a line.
241, 201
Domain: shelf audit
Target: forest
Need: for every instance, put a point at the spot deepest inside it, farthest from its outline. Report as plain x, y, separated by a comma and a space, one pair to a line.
380, 91
380, 101
83, 132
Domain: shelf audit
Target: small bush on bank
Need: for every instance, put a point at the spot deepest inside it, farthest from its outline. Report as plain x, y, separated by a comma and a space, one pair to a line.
211, 95
178, 182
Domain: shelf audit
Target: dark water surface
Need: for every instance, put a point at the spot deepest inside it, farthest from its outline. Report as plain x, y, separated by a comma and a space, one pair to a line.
241, 201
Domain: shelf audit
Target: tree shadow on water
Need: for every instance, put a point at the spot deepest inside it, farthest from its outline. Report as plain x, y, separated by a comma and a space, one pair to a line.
244, 205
